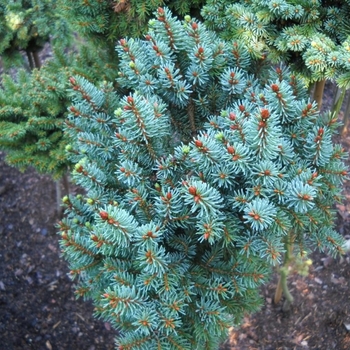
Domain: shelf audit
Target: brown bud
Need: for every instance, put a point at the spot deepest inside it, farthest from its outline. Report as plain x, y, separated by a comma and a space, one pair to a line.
192, 190
265, 113
104, 215
230, 150
275, 87
198, 143
232, 116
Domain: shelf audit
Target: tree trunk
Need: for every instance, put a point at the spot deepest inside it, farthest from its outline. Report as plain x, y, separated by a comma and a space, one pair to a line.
318, 92
36, 57
282, 286
59, 195
346, 118
33, 59
30, 60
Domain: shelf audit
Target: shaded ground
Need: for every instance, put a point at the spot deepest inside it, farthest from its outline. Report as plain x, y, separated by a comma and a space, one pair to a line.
38, 309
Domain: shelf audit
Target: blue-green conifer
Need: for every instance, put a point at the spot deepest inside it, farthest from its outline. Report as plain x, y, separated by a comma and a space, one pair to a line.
195, 182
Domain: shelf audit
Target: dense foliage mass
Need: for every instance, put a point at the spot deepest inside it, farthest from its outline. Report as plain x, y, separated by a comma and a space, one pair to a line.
312, 37
33, 105
195, 180
104, 22
24, 28
34, 108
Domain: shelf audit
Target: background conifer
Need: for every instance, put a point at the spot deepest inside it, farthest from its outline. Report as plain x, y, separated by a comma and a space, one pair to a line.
311, 37
26, 26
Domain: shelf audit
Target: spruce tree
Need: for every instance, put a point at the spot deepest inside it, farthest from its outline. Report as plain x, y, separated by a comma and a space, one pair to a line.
196, 182
311, 37
26, 26
31, 120
34, 108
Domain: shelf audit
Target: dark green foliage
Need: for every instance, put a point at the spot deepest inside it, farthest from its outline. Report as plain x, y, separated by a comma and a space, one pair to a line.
26, 25
104, 22
34, 107
31, 120
194, 180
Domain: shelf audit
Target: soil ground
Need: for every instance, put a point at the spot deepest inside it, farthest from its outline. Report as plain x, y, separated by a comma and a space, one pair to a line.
38, 308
